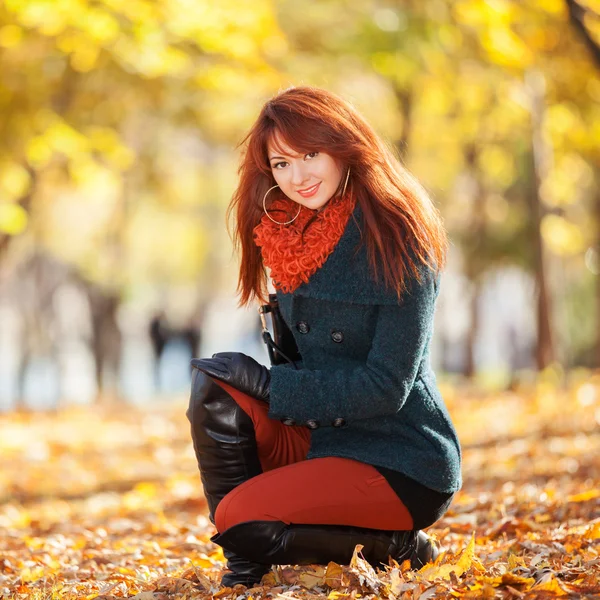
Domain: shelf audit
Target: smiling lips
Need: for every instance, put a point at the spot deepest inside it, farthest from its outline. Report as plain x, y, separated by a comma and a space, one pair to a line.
311, 191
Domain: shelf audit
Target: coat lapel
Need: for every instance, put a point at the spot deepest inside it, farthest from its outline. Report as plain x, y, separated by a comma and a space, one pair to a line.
345, 275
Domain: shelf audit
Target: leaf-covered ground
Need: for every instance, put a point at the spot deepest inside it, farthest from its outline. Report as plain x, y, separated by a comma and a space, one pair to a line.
107, 504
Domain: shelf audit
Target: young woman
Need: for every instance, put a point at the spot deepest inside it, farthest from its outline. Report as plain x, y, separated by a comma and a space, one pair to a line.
352, 444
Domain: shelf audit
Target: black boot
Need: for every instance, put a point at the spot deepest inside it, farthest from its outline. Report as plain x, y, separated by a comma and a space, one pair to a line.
274, 542
225, 447
426, 551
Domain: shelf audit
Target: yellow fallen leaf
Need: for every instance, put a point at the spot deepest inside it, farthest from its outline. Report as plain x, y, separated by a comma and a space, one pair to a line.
29, 575
512, 579
551, 585
515, 561
463, 564
486, 579
593, 532
477, 591
203, 563
488, 592
335, 595
584, 496
146, 488
466, 558
443, 572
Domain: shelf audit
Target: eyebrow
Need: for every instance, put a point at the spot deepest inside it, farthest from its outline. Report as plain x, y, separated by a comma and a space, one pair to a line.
282, 157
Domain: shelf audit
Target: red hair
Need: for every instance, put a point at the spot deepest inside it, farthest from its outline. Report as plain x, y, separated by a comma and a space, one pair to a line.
403, 228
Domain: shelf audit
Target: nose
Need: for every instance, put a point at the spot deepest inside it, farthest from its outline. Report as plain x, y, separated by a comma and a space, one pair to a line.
299, 174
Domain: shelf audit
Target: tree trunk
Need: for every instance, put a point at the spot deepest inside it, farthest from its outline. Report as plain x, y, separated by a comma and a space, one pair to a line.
545, 352
405, 99
474, 265
597, 265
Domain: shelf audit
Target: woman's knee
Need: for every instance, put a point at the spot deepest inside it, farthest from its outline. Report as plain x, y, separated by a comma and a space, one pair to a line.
206, 391
247, 502
229, 511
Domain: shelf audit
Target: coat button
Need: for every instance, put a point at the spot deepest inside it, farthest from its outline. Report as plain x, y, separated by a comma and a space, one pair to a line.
337, 336
302, 326
312, 424
339, 422
288, 421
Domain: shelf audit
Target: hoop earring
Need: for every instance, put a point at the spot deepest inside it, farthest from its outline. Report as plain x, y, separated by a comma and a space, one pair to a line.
270, 217
346, 182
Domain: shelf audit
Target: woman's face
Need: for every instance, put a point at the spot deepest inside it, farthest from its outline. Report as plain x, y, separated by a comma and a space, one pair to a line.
308, 179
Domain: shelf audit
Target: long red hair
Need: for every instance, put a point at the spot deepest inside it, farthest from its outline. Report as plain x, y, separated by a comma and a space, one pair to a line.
403, 227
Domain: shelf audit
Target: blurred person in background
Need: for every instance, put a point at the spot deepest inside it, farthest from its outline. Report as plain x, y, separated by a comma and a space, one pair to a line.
158, 330
188, 338
351, 444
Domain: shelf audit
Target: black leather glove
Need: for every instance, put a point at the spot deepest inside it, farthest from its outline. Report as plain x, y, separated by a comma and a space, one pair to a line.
238, 370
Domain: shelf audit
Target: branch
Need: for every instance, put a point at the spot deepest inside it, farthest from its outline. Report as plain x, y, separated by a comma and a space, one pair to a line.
576, 15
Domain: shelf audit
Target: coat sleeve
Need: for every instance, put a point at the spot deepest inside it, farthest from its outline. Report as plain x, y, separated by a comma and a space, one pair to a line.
376, 388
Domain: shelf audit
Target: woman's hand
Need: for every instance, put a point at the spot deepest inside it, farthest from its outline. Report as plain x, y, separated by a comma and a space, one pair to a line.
238, 370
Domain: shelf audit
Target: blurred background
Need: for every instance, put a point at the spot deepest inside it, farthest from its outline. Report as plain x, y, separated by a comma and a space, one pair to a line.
118, 155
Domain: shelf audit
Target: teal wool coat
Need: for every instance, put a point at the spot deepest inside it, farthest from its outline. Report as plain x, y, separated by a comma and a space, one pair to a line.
365, 384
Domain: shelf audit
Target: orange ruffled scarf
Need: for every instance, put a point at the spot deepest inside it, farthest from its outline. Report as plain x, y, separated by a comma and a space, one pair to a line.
294, 258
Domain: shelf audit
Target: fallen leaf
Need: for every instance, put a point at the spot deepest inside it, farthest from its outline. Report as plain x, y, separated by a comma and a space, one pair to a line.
333, 575
551, 585
366, 573
512, 579
584, 496
463, 564
310, 579
593, 532
396, 581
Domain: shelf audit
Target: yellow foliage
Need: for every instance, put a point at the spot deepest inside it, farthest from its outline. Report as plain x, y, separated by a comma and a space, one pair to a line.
100, 25
552, 6
562, 118
561, 236
38, 151
13, 219
14, 180
592, 22
10, 36
84, 58
64, 138
107, 142
478, 13
506, 48
498, 164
